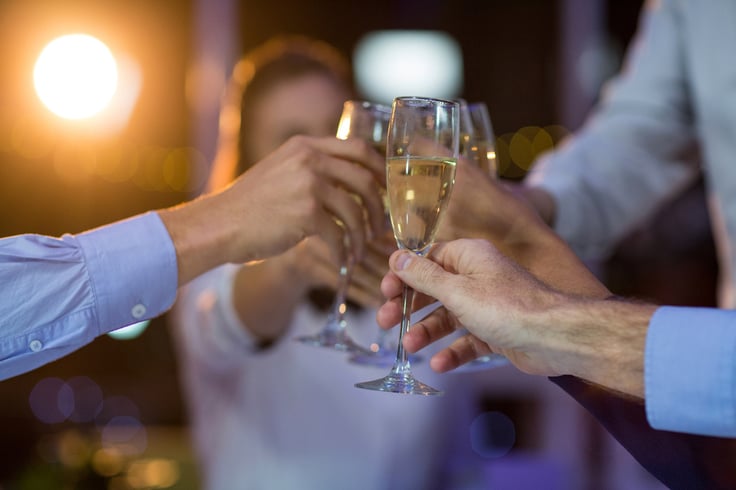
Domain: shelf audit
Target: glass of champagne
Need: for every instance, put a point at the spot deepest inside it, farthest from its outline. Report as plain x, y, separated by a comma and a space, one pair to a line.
421, 155
483, 149
480, 149
369, 121
359, 119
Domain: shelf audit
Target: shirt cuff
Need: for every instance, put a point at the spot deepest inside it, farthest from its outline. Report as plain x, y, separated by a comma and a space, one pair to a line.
690, 371
132, 268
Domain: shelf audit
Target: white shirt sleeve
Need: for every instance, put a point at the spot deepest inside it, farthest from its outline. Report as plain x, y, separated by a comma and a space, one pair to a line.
636, 150
207, 323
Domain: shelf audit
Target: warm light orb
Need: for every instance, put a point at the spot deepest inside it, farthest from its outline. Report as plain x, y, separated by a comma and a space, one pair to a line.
75, 76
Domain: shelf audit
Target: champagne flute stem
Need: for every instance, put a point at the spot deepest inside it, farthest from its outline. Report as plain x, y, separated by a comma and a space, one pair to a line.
402, 365
339, 306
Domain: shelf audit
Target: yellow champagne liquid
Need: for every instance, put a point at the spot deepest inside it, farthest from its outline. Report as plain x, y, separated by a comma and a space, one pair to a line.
484, 156
418, 193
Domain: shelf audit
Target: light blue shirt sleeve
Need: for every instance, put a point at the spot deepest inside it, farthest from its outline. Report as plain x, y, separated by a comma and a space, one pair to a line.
690, 371
58, 294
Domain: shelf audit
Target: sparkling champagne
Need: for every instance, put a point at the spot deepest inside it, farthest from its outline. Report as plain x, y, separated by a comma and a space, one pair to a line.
484, 155
418, 192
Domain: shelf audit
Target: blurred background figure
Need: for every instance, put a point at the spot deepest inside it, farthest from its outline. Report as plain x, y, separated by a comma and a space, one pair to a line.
267, 411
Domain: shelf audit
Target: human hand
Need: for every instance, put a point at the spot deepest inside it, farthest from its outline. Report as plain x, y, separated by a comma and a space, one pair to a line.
504, 308
315, 266
365, 285
483, 207
303, 188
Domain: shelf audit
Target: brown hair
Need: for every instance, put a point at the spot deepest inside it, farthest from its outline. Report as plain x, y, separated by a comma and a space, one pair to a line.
281, 58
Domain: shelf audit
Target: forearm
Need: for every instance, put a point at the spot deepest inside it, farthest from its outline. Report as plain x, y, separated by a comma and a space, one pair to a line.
601, 341
551, 261
265, 295
539, 200
201, 237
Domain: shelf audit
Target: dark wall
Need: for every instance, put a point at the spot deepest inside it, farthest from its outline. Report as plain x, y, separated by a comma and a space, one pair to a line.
509, 47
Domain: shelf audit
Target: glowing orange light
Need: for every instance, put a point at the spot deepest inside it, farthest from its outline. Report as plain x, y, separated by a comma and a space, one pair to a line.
75, 76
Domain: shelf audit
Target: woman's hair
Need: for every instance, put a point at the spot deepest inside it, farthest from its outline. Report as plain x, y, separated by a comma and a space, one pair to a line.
280, 59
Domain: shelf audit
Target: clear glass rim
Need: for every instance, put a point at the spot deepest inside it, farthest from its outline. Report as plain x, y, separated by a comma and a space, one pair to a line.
417, 98
368, 104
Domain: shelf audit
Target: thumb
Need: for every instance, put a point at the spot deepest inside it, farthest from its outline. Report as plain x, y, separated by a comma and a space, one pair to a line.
420, 273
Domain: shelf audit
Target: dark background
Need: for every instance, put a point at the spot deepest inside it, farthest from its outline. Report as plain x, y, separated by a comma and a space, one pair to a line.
513, 61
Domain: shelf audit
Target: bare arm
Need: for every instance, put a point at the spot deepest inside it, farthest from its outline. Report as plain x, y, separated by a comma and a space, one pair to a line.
297, 191
266, 293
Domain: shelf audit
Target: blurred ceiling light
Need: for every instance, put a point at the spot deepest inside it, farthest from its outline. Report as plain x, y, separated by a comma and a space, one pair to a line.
75, 76
395, 63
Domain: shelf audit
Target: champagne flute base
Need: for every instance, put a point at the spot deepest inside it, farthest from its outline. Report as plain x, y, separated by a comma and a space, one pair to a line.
382, 358
334, 340
397, 382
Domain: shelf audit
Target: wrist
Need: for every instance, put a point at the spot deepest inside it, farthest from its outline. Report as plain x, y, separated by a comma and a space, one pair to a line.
600, 340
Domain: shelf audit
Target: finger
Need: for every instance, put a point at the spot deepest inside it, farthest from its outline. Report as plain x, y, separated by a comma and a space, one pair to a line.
389, 314
341, 205
422, 274
359, 181
465, 349
324, 273
392, 287
356, 150
436, 325
368, 282
376, 259
333, 235
364, 297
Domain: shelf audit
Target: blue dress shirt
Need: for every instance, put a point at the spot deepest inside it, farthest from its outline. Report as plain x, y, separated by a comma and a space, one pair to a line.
58, 294
690, 371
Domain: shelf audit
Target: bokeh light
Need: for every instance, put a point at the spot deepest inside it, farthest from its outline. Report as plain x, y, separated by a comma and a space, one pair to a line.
108, 462
129, 332
126, 434
517, 152
114, 406
51, 400
394, 63
87, 399
75, 76
153, 473
492, 434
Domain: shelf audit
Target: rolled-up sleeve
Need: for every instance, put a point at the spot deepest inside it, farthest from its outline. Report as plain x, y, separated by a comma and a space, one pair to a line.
690, 371
61, 293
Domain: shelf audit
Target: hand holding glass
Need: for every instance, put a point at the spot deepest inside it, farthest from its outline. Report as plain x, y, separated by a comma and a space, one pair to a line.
356, 121
421, 154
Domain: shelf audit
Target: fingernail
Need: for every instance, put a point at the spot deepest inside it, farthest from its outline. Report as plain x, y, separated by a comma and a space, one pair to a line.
402, 261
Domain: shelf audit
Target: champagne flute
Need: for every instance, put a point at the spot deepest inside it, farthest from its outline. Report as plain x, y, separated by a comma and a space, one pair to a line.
467, 130
480, 149
421, 155
365, 120
483, 150
369, 121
